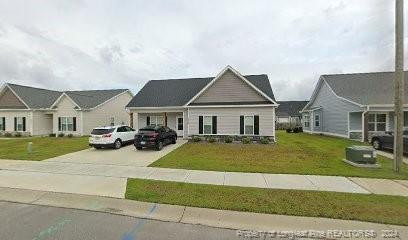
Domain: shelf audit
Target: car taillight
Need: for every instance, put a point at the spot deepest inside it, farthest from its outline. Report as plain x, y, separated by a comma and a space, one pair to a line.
107, 135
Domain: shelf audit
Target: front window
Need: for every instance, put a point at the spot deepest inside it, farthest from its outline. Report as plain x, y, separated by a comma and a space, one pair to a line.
157, 120
307, 121
207, 125
317, 120
20, 124
249, 125
377, 122
179, 124
67, 124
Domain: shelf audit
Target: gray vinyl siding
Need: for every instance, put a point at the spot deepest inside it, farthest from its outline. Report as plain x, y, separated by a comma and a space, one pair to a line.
228, 119
229, 88
355, 121
334, 111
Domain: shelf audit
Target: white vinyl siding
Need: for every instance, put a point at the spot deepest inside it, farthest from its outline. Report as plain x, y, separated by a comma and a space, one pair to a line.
228, 119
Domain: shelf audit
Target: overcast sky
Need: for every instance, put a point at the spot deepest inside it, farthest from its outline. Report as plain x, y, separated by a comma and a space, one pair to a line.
122, 44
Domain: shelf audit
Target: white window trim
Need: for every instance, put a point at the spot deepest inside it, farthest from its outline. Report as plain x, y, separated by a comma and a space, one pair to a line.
156, 117
67, 124
253, 124
318, 120
375, 121
211, 124
306, 119
20, 124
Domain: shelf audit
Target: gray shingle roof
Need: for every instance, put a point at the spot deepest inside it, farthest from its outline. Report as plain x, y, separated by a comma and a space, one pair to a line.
177, 92
92, 98
37, 98
365, 88
290, 108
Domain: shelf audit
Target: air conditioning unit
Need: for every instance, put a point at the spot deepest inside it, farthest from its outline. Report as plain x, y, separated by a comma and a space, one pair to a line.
361, 156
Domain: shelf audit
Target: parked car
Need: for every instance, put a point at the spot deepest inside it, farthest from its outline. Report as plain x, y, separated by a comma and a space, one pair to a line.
386, 141
154, 137
111, 137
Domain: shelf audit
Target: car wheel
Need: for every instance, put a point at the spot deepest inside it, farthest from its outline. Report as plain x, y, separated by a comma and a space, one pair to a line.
173, 140
118, 144
376, 144
159, 146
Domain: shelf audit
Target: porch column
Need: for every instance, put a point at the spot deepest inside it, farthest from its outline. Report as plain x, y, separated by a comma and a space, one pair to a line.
365, 127
131, 119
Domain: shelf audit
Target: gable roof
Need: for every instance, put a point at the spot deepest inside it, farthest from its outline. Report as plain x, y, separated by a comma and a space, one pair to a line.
365, 88
39, 98
178, 92
92, 98
290, 108
35, 98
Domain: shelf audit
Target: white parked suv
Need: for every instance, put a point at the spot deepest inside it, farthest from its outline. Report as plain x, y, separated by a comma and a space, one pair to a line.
111, 136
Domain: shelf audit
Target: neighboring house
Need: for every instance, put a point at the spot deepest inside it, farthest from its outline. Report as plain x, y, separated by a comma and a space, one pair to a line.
36, 111
353, 105
228, 104
288, 112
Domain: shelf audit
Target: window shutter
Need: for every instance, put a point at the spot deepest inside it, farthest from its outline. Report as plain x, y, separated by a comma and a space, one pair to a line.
15, 124
214, 124
147, 120
24, 124
74, 123
4, 124
59, 124
256, 125
241, 125
200, 125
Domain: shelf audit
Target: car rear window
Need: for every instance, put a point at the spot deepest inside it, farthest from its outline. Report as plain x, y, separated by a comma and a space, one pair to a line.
102, 131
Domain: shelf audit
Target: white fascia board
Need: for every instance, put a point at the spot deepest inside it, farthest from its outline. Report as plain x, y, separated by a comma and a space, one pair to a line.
219, 76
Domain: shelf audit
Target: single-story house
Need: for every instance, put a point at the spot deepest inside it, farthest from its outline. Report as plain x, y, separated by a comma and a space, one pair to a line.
36, 111
288, 112
354, 106
229, 104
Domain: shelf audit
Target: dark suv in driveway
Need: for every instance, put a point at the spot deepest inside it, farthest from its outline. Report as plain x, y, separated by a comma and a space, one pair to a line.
154, 137
386, 141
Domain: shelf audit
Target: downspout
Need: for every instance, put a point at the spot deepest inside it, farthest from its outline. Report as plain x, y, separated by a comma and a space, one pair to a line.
363, 124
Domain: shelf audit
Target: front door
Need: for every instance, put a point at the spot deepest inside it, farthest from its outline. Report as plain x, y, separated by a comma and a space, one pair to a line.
179, 126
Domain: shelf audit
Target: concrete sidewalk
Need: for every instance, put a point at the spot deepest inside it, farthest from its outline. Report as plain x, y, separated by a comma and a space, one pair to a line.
121, 173
192, 215
391, 156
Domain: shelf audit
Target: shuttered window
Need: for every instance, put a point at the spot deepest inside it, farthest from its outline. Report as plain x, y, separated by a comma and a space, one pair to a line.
207, 125
67, 124
2, 124
19, 124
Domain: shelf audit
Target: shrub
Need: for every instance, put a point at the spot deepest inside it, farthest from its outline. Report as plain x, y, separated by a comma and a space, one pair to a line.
196, 139
61, 134
7, 134
17, 134
52, 135
211, 139
264, 140
246, 140
228, 139
70, 135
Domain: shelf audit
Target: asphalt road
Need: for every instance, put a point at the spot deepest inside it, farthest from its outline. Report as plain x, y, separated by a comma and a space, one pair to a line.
31, 222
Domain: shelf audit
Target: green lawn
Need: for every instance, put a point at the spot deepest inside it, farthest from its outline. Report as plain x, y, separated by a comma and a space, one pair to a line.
348, 206
43, 147
293, 153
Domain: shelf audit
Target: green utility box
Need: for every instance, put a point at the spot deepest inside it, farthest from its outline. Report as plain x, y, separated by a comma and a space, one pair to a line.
361, 155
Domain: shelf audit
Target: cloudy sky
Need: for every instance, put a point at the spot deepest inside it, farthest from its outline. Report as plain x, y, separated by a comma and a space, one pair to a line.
99, 44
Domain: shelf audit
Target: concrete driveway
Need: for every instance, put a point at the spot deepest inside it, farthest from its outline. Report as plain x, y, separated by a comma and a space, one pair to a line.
126, 156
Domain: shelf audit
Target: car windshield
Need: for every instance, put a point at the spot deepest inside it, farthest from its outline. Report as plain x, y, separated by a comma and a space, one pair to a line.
101, 131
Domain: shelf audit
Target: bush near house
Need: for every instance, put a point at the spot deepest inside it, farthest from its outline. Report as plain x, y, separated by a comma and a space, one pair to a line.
246, 140
228, 139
